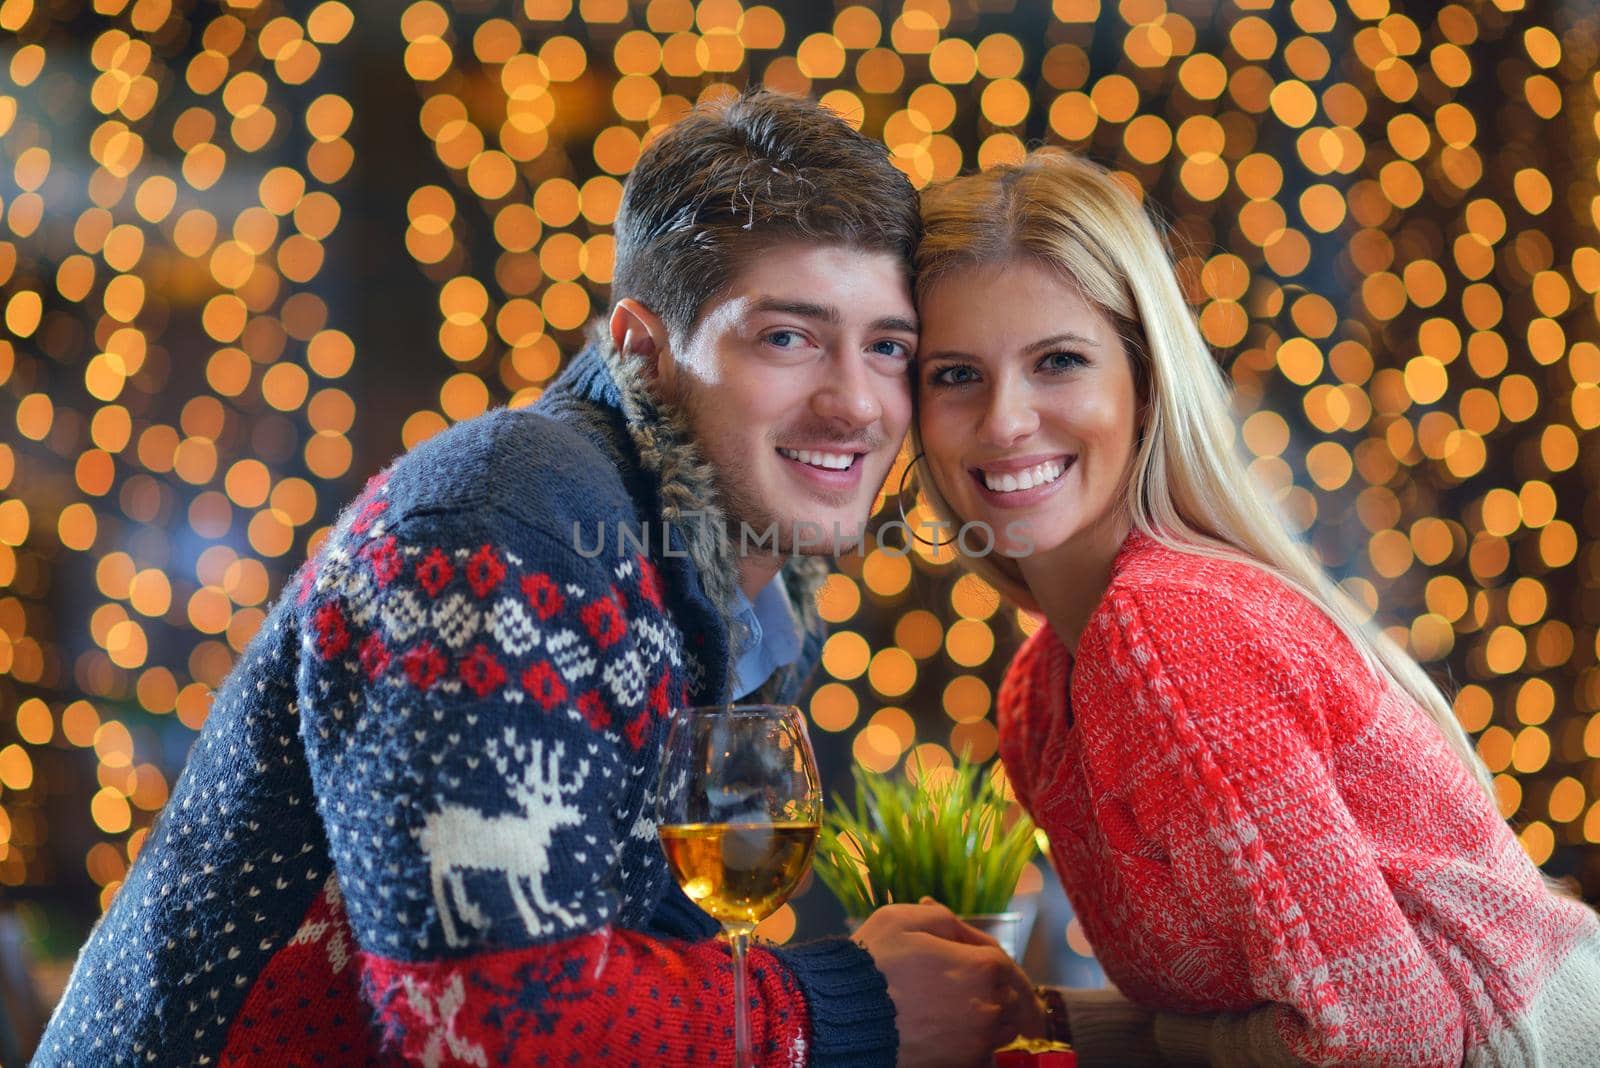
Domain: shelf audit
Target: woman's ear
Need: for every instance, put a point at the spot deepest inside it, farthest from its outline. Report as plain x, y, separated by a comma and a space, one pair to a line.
638, 334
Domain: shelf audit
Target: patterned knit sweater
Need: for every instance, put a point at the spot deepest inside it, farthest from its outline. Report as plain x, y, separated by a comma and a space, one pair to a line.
418, 825
1276, 858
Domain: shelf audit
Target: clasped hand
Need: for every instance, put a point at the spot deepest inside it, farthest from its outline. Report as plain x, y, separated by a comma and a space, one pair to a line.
957, 996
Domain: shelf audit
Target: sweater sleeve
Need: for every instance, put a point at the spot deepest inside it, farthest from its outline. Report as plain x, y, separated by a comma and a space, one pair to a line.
1108, 1029
476, 714
1232, 706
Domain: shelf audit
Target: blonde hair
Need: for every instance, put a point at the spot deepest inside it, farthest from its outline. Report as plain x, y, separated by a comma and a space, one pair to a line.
1189, 488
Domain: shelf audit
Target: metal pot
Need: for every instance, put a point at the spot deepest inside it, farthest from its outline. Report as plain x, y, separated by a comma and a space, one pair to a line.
1010, 929
1006, 928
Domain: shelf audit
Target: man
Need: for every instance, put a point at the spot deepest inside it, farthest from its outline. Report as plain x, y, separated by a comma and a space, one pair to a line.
418, 824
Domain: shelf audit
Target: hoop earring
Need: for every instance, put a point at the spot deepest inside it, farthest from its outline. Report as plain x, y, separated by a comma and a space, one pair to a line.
900, 504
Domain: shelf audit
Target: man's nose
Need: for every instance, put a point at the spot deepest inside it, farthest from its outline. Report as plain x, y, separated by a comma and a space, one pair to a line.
847, 393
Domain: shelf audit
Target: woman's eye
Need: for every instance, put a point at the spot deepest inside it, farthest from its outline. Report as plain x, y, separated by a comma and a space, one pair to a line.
953, 376
1062, 361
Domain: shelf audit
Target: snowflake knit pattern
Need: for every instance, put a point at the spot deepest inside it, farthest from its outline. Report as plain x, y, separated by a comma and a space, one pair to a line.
1248, 822
418, 826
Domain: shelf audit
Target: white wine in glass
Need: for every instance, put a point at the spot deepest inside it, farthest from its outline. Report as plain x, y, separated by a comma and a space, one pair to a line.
738, 808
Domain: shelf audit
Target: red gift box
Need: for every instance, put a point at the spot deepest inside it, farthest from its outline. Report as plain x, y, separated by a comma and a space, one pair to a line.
1017, 1058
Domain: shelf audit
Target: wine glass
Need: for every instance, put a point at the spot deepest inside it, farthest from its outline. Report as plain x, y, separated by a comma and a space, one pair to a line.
738, 808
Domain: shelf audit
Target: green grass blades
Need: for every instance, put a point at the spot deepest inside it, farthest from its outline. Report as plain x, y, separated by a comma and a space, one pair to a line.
945, 837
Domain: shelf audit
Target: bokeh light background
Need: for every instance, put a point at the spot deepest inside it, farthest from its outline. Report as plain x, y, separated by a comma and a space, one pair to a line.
252, 250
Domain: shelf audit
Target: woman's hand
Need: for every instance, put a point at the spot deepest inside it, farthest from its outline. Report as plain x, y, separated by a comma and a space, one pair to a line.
957, 996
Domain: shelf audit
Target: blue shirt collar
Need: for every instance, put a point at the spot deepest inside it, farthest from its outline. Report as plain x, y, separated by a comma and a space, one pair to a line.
773, 640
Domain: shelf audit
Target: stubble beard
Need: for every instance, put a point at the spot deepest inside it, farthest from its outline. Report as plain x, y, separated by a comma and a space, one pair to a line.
748, 512
749, 516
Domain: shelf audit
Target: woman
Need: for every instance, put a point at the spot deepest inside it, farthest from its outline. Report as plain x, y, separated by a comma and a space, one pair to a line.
1272, 828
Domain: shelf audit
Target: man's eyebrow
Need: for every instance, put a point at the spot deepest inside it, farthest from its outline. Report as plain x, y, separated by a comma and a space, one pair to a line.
826, 313
895, 322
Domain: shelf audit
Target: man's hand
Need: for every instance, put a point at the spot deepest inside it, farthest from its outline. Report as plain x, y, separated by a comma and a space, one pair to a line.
957, 995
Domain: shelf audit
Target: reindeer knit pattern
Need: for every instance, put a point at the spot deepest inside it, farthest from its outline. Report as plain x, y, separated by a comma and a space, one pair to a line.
418, 826
1256, 832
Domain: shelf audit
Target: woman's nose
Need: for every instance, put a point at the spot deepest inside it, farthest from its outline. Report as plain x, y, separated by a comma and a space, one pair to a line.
1008, 418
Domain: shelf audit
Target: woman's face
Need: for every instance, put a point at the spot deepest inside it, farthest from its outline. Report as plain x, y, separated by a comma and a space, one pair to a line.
1028, 408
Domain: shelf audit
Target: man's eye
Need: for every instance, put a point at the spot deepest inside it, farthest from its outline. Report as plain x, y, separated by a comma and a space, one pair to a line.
783, 339
891, 348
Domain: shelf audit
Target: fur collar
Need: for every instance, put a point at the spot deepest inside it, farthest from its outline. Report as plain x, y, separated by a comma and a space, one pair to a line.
688, 485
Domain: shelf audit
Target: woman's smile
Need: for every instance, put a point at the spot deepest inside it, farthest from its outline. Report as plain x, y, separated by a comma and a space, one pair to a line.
1020, 482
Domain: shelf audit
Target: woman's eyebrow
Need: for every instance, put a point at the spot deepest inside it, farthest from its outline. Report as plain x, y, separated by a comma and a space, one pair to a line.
1065, 338
949, 354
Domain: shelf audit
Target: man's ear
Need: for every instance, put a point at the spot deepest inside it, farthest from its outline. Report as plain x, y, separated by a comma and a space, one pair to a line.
639, 334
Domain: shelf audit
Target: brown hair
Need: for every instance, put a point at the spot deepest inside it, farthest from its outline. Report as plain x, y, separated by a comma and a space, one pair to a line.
730, 178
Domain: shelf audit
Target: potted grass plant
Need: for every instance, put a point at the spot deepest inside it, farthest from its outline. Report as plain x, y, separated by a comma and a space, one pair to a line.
948, 833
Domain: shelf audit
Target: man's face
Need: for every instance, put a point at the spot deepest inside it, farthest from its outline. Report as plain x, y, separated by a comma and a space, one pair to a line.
796, 382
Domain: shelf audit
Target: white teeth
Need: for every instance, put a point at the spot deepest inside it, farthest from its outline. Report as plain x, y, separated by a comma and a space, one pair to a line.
1037, 475
832, 461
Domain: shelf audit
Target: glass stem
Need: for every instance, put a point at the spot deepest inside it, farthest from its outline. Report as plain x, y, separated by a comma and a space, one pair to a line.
743, 1058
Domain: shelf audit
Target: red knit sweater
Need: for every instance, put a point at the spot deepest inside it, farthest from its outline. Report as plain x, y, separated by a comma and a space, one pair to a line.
1255, 831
